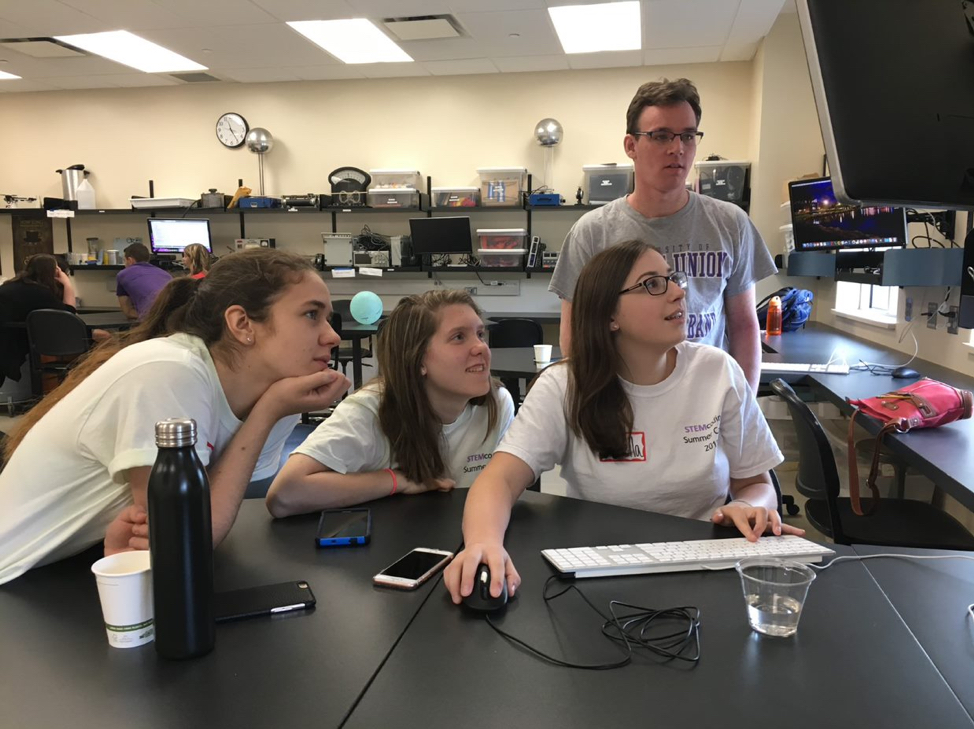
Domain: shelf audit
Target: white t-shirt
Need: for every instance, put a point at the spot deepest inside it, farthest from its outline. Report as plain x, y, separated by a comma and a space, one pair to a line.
692, 433
351, 441
67, 480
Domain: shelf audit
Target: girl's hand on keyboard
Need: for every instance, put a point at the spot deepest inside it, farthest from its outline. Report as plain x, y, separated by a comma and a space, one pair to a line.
753, 521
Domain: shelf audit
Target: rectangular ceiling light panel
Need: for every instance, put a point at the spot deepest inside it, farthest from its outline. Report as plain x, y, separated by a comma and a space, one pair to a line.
354, 40
594, 28
131, 50
4, 76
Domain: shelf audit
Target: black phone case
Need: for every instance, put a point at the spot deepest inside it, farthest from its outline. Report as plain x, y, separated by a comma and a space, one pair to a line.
251, 602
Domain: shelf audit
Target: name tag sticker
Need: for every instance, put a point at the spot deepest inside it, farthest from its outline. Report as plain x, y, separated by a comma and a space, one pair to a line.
637, 450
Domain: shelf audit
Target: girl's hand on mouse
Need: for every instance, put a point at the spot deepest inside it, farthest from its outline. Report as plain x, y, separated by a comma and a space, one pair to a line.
460, 573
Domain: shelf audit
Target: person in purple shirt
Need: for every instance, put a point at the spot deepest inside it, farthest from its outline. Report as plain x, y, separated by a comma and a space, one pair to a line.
139, 283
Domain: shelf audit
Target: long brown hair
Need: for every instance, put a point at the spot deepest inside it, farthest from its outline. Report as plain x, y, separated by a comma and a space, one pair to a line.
199, 258
41, 269
405, 413
253, 279
599, 410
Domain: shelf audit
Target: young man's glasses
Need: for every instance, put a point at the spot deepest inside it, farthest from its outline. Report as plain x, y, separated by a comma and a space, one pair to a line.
664, 138
657, 285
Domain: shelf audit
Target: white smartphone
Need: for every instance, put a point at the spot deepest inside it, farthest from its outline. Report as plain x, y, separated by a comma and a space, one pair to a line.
414, 569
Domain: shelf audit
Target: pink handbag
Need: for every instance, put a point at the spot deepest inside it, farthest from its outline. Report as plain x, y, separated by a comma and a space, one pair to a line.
924, 404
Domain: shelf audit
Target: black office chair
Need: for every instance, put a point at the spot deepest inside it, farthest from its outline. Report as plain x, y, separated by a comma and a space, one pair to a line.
508, 333
343, 355
896, 523
55, 333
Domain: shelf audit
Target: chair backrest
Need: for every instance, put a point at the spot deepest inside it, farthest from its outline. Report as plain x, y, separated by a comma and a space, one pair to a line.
56, 333
335, 319
818, 476
344, 308
777, 489
515, 333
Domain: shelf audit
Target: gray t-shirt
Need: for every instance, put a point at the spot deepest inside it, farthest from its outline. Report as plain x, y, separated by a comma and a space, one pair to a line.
713, 242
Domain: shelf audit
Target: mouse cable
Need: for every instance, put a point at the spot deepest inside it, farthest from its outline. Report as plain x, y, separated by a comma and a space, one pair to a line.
631, 629
877, 368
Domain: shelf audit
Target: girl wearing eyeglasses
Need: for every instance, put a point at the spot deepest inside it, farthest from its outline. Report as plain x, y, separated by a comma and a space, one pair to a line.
636, 417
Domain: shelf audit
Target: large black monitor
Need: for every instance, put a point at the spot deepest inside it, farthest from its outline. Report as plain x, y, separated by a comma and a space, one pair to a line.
440, 235
820, 222
173, 235
894, 85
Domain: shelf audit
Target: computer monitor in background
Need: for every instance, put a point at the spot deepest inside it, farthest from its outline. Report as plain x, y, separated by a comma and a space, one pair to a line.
440, 235
172, 236
894, 85
820, 222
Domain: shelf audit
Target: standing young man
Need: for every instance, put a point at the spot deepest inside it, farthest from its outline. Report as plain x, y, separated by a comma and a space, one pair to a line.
713, 242
138, 284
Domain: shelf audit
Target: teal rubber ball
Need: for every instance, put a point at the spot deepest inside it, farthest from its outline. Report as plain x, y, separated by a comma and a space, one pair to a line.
366, 307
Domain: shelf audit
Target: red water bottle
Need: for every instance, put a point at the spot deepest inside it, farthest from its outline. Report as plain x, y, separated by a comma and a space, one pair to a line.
774, 317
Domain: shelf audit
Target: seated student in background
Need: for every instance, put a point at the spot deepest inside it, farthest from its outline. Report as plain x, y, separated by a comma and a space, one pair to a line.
138, 284
41, 285
196, 260
637, 417
78, 464
430, 421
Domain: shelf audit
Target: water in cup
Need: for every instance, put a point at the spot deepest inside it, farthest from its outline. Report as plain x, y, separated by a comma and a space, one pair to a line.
774, 593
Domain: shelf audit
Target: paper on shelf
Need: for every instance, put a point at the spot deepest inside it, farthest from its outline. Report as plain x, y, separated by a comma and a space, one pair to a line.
370, 271
343, 273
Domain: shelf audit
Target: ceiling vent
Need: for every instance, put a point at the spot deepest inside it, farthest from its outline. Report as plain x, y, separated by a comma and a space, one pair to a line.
42, 48
424, 27
194, 78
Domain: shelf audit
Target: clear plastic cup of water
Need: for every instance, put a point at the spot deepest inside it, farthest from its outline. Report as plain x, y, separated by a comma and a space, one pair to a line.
774, 592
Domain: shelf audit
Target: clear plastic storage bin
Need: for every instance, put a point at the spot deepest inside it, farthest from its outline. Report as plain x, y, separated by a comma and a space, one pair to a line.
383, 179
501, 186
456, 197
501, 247
605, 183
393, 197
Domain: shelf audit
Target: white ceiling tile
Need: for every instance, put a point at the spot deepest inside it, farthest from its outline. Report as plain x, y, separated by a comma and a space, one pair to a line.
460, 67
391, 70
137, 80
535, 33
51, 67
739, 51
334, 72
444, 49
754, 20
48, 17
377, 9
307, 9
242, 46
687, 23
670, 56
212, 13
789, 8
606, 59
12, 30
131, 15
15, 85
81, 82
477, 6
258, 75
515, 64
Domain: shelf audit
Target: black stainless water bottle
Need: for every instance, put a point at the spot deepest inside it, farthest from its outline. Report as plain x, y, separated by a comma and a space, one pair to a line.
181, 543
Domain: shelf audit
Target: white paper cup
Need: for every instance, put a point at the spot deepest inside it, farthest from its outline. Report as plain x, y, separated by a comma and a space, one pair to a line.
125, 588
542, 353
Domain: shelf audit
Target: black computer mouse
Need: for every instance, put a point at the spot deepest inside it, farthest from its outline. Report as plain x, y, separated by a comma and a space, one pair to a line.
480, 598
904, 373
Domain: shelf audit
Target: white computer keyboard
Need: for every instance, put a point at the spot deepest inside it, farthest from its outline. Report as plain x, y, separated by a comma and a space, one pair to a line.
798, 368
704, 554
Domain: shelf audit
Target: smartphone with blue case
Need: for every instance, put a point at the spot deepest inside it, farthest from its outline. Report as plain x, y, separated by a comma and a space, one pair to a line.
344, 527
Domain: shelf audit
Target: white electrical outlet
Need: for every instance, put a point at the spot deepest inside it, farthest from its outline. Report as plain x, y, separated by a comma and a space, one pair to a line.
499, 288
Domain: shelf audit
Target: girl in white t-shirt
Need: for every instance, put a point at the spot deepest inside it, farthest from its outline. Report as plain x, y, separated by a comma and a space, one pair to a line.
431, 420
637, 417
78, 464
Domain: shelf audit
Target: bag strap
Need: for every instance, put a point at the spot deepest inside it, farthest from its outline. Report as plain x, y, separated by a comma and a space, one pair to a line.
873, 471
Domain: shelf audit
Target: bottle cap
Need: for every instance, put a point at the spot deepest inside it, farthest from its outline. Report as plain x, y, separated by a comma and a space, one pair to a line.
175, 433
